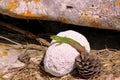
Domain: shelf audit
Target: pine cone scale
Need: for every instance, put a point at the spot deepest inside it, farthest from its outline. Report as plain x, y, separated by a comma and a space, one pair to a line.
88, 66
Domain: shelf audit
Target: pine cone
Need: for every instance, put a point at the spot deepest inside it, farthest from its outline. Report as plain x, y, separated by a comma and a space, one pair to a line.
88, 66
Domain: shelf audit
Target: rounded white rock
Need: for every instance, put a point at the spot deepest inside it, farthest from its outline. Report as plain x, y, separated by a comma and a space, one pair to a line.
59, 59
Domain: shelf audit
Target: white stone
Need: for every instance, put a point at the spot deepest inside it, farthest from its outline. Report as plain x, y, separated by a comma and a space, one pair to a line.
59, 58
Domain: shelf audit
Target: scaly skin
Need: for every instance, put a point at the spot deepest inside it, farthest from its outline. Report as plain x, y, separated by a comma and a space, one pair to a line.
73, 43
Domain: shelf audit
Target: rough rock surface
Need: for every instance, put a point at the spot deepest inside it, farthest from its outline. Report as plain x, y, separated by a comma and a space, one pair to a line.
59, 59
9, 58
93, 13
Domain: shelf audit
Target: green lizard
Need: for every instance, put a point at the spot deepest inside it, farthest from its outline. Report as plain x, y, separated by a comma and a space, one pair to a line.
69, 41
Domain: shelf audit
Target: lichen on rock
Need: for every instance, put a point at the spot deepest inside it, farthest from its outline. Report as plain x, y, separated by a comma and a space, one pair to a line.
89, 13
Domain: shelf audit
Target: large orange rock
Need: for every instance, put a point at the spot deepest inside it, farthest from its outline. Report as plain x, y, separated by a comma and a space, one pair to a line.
93, 13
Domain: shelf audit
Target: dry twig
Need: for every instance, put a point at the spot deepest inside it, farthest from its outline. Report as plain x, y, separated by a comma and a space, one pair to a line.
10, 40
27, 33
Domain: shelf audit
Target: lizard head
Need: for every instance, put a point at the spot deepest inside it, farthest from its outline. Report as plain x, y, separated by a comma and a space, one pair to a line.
57, 38
53, 37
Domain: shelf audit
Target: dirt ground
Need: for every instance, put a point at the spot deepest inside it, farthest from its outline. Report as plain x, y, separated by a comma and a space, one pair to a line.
104, 43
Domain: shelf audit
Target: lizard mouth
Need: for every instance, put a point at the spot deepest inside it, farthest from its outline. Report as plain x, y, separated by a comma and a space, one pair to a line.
52, 37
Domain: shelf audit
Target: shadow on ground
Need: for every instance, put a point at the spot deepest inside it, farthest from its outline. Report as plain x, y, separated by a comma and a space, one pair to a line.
98, 38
